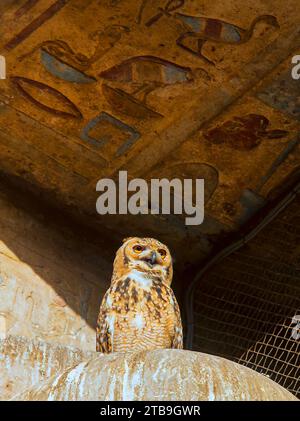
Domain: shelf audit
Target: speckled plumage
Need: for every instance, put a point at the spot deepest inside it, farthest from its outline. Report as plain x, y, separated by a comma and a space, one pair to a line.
139, 311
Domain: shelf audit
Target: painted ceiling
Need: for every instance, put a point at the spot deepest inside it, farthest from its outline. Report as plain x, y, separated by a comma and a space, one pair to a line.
175, 88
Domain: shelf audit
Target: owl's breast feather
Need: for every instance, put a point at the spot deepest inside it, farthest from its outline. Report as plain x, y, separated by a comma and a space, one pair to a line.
139, 293
139, 312
141, 279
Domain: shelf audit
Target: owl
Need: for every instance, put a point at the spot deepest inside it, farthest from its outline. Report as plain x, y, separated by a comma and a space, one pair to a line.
139, 311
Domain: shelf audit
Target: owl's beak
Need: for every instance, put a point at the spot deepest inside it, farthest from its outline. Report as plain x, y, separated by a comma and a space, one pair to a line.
152, 259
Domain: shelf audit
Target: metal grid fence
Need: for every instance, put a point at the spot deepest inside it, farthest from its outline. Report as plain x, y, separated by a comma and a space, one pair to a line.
247, 308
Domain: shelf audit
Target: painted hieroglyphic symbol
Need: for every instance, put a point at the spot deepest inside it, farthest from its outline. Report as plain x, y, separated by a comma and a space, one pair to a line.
46, 98
169, 7
125, 103
143, 74
64, 71
35, 24
207, 29
141, 11
63, 62
243, 133
99, 132
283, 94
106, 39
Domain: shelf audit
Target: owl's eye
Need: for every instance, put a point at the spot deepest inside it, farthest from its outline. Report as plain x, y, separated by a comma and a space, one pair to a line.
138, 248
162, 252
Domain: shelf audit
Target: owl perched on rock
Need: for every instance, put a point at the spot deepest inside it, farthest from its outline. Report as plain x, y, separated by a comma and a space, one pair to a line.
139, 311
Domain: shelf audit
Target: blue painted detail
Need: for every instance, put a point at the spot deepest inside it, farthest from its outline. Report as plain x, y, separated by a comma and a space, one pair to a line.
133, 135
230, 33
195, 23
64, 71
283, 94
175, 75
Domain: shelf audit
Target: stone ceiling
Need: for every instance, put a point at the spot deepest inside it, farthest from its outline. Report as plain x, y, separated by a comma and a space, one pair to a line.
176, 88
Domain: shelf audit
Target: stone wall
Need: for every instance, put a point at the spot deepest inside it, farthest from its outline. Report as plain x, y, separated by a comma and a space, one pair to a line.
26, 362
51, 278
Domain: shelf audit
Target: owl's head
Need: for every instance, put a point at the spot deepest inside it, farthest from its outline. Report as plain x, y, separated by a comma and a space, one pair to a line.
145, 255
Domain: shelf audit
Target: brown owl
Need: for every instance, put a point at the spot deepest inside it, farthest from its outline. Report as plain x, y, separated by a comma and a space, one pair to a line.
139, 311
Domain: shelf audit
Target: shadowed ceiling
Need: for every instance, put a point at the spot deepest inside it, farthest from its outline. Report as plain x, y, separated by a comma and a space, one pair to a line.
188, 89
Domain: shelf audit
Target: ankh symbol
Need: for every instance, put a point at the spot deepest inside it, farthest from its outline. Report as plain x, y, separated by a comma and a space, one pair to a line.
170, 6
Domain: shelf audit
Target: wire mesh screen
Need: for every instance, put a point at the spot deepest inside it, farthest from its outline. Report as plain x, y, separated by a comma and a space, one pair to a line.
277, 355
247, 308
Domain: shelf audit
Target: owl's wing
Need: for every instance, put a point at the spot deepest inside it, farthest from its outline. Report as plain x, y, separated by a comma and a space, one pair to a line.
177, 340
103, 334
